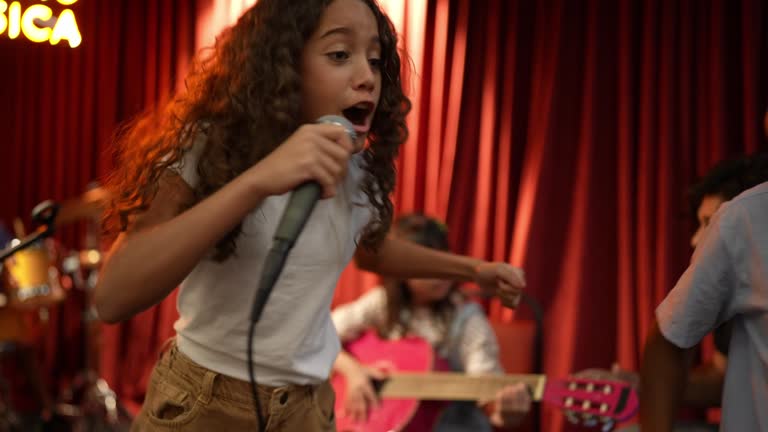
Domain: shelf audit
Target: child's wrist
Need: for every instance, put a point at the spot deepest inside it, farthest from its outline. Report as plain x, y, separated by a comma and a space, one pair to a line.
477, 269
257, 184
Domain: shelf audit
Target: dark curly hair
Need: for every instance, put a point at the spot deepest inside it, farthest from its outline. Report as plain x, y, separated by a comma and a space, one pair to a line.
729, 178
247, 90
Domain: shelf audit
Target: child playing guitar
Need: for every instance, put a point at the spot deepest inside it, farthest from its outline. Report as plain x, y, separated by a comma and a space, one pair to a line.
436, 311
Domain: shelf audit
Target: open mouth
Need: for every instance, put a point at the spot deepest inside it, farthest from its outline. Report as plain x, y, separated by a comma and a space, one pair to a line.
359, 114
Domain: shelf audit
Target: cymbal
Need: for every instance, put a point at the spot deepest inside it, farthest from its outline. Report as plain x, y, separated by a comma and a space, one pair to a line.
88, 205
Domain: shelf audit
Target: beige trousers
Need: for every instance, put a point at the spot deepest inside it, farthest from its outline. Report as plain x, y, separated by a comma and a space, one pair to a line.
184, 396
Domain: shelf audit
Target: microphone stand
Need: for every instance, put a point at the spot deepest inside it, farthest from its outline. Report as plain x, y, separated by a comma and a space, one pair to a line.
45, 212
27, 242
88, 403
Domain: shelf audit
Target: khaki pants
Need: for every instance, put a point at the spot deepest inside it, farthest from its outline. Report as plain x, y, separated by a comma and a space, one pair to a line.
184, 396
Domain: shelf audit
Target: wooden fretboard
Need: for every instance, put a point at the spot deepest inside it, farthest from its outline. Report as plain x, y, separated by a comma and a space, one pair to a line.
455, 386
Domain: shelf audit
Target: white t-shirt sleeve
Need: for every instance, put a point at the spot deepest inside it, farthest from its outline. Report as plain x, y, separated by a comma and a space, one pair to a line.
478, 347
186, 167
369, 310
710, 291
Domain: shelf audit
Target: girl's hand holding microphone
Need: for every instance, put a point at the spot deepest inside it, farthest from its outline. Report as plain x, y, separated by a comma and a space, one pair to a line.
315, 152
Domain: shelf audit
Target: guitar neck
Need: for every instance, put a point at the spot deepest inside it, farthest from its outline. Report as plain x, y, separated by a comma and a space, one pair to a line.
455, 386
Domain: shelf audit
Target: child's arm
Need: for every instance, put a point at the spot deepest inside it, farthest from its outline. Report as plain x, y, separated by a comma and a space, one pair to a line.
360, 394
402, 259
162, 245
511, 407
662, 379
351, 320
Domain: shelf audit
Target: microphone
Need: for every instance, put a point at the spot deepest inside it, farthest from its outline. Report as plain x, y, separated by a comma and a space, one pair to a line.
295, 216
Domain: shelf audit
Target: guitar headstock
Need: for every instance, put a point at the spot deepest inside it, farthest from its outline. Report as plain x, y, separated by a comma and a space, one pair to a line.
590, 402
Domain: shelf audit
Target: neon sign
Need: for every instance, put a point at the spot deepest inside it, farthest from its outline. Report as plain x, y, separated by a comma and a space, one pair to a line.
38, 24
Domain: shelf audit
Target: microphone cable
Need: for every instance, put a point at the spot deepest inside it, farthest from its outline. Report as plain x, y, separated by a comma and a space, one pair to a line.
295, 216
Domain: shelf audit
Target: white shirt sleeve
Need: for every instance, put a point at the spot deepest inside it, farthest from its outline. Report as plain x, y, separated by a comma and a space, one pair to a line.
186, 167
369, 310
478, 347
709, 291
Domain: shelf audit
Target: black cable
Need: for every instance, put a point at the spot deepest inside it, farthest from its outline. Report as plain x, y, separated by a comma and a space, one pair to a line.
273, 266
254, 388
295, 216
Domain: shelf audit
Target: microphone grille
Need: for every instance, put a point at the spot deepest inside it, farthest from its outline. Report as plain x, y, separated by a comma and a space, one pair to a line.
341, 121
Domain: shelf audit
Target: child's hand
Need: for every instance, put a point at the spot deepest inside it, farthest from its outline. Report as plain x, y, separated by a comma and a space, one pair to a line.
318, 152
361, 396
512, 404
502, 279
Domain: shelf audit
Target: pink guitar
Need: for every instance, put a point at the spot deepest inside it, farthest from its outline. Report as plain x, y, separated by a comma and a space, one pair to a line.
414, 380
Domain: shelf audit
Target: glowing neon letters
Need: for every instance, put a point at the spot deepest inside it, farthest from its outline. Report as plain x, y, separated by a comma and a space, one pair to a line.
38, 24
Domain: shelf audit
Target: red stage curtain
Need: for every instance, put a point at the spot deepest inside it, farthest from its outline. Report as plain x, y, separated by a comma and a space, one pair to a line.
556, 135
61, 106
562, 135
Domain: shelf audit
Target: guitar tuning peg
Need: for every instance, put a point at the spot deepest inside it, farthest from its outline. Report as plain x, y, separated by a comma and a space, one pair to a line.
589, 420
608, 424
571, 416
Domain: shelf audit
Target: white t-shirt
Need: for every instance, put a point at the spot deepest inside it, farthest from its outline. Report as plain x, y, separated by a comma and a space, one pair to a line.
295, 341
728, 279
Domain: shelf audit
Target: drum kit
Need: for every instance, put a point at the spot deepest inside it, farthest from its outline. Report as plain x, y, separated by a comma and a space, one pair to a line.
38, 274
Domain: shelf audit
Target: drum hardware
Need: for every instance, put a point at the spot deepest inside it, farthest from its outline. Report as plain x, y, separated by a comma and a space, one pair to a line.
9, 418
32, 281
45, 213
89, 400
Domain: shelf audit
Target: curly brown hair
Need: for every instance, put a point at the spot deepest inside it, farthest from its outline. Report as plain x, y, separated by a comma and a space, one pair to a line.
247, 90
